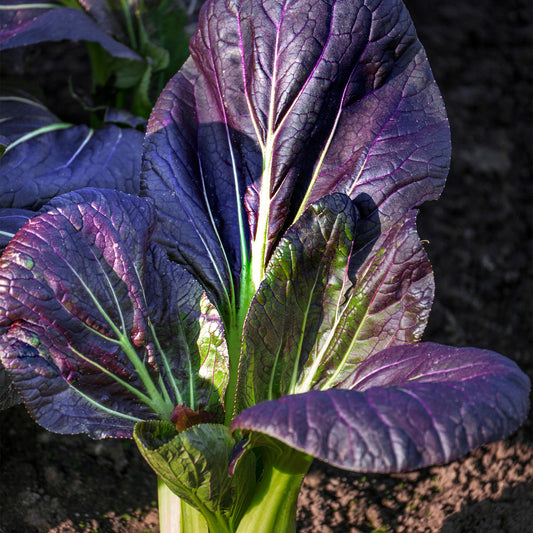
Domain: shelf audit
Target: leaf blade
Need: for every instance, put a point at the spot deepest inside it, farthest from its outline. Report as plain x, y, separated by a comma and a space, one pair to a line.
281, 110
60, 161
22, 27
99, 329
403, 423
329, 300
194, 465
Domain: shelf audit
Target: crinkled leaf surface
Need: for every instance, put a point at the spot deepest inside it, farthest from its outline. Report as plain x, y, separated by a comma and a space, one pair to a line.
281, 103
100, 330
49, 164
327, 302
21, 26
409, 407
194, 464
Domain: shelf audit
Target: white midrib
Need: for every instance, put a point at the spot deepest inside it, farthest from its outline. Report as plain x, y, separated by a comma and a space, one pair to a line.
259, 244
40, 131
29, 6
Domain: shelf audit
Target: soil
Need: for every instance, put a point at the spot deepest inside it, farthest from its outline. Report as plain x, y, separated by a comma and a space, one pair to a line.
480, 241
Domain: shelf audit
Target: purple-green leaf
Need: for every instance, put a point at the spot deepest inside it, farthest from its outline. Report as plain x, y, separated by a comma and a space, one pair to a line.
100, 330
187, 171
328, 301
23, 24
280, 104
410, 406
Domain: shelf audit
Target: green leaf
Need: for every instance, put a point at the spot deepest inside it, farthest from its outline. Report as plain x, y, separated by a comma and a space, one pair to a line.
213, 353
141, 104
130, 79
296, 302
166, 27
329, 300
159, 56
194, 464
125, 73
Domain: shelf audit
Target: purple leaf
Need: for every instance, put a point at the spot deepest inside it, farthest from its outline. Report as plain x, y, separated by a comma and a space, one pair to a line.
410, 406
273, 111
52, 163
11, 220
105, 14
187, 171
21, 113
45, 157
100, 330
389, 303
32, 25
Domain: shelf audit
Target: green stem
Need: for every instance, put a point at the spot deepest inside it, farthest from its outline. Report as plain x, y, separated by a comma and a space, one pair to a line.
176, 516
192, 520
273, 506
234, 340
169, 509
129, 24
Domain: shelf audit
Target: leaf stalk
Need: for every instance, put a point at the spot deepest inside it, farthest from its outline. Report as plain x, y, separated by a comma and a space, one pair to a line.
176, 516
273, 505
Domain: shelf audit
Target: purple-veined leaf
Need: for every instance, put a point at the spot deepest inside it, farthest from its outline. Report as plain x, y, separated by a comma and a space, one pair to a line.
410, 406
329, 301
23, 24
275, 109
187, 171
98, 328
11, 220
389, 303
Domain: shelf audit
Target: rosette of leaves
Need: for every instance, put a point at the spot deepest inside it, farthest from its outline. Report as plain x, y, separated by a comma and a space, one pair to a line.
262, 303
